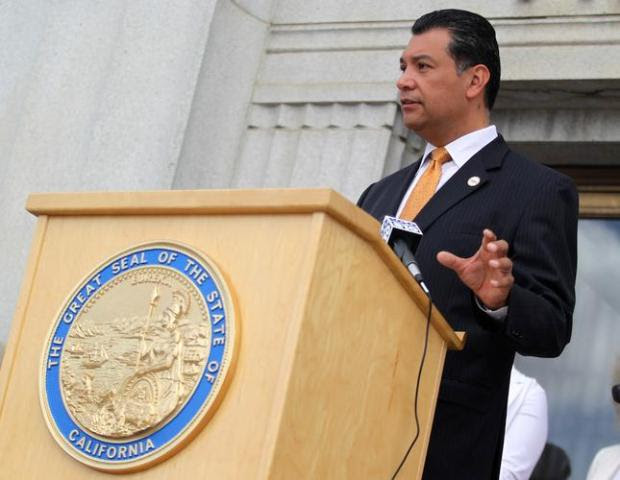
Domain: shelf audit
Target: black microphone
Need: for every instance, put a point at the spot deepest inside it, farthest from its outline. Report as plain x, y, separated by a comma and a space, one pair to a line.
615, 393
404, 237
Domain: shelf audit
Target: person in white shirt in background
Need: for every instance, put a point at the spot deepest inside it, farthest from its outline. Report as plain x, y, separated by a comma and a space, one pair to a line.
526, 427
606, 463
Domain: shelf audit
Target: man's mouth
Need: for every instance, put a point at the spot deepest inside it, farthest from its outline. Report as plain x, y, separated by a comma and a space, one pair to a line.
409, 101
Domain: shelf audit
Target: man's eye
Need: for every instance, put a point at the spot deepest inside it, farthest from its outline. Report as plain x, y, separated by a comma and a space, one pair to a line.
423, 66
402, 67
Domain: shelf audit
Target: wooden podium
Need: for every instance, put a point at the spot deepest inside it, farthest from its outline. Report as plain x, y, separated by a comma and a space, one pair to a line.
331, 334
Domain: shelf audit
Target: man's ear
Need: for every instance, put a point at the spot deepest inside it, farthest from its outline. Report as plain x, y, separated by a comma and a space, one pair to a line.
479, 76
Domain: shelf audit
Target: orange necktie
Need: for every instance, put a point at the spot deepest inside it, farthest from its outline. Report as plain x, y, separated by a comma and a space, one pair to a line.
426, 186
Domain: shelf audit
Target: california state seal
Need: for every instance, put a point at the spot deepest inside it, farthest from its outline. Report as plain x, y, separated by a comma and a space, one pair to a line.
138, 357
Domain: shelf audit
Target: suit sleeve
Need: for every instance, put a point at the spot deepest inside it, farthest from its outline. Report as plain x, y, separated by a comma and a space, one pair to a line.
544, 255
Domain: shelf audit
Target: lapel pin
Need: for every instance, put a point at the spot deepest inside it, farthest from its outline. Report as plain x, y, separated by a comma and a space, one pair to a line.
473, 181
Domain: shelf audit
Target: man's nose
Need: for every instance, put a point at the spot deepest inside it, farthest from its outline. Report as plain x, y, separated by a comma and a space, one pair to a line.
405, 81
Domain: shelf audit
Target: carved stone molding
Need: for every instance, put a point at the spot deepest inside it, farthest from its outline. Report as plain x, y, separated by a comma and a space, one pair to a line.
339, 145
358, 61
328, 11
322, 115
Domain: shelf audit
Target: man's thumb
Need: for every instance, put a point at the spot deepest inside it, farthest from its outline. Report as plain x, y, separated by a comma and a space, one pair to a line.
449, 260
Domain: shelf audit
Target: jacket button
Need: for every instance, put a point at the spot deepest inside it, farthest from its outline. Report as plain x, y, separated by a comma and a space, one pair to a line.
516, 334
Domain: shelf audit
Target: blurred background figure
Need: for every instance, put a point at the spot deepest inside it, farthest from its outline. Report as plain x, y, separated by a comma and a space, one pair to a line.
553, 464
526, 427
606, 463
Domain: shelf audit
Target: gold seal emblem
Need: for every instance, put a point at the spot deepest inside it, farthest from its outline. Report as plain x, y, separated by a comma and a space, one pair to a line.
147, 336
127, 369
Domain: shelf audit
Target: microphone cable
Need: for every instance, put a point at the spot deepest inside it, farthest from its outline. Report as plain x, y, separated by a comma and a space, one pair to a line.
417, 389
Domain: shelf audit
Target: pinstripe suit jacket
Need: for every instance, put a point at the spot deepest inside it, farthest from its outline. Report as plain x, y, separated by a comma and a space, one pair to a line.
535, 210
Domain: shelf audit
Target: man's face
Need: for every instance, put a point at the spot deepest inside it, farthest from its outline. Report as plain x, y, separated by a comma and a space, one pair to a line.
432, 93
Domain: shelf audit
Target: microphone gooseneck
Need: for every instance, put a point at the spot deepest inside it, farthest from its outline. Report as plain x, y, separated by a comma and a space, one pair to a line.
404, 253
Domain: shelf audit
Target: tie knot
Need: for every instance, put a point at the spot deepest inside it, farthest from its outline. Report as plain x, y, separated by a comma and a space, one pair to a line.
440, 155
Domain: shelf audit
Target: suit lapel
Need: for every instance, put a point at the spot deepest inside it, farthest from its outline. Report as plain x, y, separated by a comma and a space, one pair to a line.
393, 200
469, 178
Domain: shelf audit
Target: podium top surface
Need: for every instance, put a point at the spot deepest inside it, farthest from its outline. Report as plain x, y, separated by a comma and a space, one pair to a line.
241, 202
189, 201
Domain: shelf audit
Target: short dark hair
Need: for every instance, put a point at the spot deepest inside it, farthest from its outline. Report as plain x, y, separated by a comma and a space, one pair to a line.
473, 43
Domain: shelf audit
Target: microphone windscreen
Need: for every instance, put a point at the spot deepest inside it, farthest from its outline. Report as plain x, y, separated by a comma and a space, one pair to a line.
394, 228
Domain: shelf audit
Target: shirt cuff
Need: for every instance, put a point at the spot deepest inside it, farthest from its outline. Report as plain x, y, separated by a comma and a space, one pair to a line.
500, 314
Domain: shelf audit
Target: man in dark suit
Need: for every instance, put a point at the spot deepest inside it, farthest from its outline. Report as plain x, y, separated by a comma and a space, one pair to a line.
499, 245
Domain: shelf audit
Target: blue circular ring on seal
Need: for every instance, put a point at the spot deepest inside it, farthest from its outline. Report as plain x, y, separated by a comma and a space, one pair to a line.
121, 453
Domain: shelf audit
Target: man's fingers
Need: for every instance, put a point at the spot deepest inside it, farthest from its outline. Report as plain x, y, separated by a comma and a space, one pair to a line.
449, 260
503, 265
487, 237
498, 247
488, 234
503, 282
490, 244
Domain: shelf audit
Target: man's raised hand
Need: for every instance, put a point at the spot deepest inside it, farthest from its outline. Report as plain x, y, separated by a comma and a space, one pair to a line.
488, 272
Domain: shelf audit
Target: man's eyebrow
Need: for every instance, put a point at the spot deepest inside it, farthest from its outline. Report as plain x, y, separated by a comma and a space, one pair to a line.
415, 58
422, 56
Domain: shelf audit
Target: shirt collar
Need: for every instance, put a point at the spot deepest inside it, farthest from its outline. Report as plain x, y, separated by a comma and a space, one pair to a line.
465, 147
